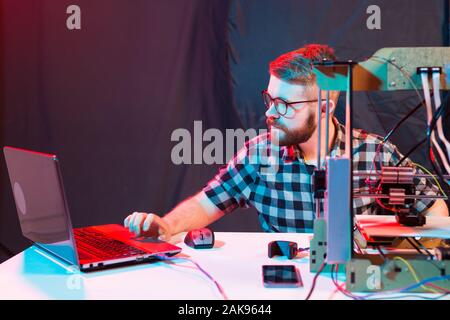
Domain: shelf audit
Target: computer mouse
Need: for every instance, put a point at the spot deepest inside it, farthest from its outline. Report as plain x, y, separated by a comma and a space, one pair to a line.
202, 238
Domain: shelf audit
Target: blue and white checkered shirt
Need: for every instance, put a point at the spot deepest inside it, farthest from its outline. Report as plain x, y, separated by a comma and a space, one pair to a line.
284, 197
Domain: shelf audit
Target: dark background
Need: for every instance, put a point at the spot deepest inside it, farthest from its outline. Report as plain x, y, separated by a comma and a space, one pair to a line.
106, 98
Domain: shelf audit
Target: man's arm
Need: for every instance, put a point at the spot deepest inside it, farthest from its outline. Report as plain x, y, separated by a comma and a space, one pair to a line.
438, 209
195, 212
224, 193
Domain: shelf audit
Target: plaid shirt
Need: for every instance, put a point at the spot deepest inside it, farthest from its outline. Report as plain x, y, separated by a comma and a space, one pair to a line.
284, 198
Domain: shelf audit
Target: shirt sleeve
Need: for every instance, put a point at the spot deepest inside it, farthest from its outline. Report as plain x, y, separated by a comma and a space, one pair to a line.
230, 188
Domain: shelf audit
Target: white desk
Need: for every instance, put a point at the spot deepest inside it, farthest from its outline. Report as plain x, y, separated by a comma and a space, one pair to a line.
235, 263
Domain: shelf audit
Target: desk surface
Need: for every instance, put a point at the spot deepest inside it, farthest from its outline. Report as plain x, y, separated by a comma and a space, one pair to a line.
235, 262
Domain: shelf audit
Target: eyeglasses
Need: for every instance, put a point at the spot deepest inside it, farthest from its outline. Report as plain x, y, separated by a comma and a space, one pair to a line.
281, 106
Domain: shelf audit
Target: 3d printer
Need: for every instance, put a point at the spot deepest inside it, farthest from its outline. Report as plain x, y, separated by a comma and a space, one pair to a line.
379, 264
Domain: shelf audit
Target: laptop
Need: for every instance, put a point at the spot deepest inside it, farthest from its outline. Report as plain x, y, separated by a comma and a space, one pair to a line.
43, 212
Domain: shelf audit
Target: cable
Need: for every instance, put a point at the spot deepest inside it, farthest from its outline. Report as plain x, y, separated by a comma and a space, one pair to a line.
408, 77
414, 274
418, 144
219, 287
409, 114
334, 273
430, 129
414, 245
405, 289
426, 92
437, 104
313, 286
434, 178
340, 287
411, 151
377, 152
425, 281
418, 246
412, 287
405, 74
383, 256
411, 296
423, 248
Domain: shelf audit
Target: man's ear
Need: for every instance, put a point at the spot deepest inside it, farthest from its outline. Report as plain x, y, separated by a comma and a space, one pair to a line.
331, 107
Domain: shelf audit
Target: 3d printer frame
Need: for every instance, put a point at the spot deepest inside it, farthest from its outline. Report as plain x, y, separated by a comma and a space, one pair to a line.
333, 241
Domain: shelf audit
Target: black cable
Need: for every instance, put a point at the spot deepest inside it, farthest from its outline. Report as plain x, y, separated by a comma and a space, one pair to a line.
422, 101
436, 162
411, 151
354, 297
421, 246
313, 286
338, 287
432, 124
409, 114
383, 256
420, 142
416, 247
430, 152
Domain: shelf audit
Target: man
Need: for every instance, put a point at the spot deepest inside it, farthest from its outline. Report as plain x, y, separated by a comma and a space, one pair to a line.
283, 198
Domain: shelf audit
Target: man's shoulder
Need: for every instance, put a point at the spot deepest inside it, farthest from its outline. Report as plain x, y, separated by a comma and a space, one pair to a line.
253, 149
362, 137
366, 137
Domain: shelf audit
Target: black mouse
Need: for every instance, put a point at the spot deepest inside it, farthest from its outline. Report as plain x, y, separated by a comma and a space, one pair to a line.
202, 238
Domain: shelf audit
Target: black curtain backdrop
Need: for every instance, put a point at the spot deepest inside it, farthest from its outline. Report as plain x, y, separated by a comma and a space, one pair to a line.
106, 98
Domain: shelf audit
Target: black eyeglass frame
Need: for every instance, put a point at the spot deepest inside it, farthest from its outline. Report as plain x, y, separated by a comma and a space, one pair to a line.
288, 104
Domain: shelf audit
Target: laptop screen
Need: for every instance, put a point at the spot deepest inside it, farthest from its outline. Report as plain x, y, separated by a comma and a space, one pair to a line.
40, 201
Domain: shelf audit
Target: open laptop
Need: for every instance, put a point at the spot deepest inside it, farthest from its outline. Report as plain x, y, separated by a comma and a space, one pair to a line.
44, 217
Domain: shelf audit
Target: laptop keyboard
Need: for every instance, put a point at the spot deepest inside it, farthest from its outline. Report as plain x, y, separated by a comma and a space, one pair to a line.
102, 246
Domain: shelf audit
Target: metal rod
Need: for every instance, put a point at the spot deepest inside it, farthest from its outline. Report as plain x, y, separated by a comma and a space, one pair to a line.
374, 174
349, 146
327, 122
384, 196
348, 115
319, 135
319, 138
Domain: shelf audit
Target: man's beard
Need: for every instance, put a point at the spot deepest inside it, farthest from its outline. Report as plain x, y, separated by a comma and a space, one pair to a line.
294, 137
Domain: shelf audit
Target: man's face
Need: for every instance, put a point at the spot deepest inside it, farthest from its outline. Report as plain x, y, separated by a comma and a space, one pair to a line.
299, 123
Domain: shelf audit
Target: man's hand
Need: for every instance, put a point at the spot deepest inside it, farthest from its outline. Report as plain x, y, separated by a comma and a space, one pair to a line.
148, 225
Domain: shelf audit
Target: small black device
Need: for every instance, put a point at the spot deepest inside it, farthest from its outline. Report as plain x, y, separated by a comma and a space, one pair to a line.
202, 238
281, 276
282, 248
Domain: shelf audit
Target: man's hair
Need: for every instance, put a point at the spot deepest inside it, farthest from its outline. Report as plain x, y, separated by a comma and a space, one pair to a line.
296, 66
